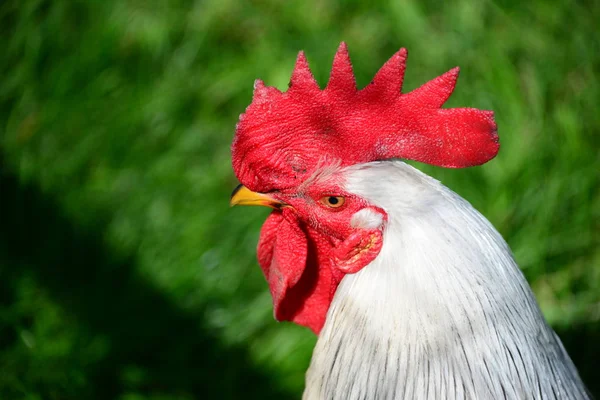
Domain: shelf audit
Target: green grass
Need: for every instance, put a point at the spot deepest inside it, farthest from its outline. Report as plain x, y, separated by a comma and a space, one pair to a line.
124, 273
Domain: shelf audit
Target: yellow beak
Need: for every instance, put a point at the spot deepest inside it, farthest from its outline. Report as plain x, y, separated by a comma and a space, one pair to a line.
242, 196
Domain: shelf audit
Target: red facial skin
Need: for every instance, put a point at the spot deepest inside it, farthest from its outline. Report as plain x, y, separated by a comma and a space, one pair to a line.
307, 247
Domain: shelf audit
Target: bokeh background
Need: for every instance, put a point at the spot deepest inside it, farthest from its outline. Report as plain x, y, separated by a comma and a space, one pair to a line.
125, 275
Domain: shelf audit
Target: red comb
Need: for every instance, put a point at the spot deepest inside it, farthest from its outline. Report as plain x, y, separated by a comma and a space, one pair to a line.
282, 136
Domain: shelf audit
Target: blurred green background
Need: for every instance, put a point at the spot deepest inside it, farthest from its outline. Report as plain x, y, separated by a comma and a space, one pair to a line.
124, 273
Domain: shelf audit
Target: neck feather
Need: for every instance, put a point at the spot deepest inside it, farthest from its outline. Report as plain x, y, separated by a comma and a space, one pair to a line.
442, 312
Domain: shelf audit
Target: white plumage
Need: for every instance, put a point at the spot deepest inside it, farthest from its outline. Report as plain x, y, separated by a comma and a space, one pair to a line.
443, 312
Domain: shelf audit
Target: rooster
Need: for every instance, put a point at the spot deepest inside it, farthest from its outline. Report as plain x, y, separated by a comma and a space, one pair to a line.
412, 292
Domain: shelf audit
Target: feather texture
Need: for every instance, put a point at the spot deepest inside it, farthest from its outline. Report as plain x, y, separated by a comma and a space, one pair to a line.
442, 313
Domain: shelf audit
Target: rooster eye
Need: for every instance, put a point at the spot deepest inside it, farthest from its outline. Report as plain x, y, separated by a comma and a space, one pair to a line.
333, 201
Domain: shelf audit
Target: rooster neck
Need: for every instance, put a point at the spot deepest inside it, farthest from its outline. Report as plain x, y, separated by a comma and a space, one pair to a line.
442, 312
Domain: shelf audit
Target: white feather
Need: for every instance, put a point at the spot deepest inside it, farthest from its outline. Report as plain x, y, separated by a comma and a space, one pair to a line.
366, 219
443, 312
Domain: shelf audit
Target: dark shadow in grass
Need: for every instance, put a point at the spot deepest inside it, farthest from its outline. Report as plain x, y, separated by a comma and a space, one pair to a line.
179, 355
583, 344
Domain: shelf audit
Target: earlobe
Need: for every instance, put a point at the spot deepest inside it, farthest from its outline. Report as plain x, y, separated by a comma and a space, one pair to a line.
358, 250
368, 218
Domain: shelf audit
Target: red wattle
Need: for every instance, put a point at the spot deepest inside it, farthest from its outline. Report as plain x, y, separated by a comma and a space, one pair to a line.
296, 261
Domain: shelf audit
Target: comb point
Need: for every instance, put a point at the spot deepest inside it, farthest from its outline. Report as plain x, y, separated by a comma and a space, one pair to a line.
263, 93
437, 91
390, 77
302, 77
342, 76
260, 90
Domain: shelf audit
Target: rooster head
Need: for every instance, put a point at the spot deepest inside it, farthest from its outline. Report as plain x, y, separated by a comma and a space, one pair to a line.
290, 151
